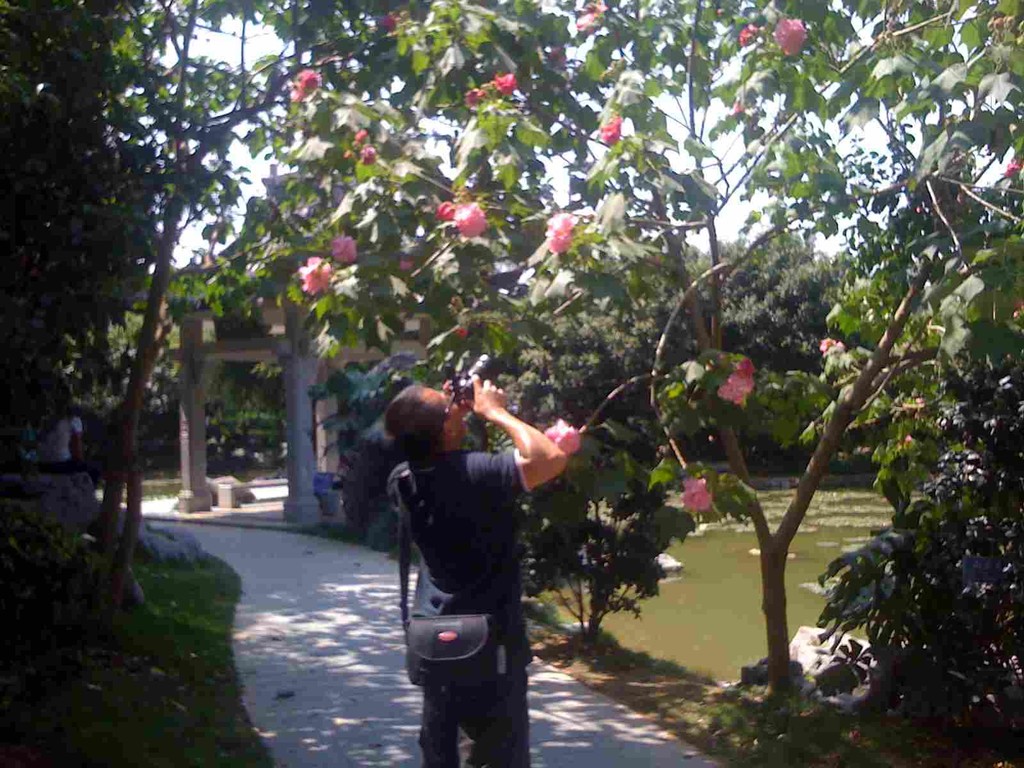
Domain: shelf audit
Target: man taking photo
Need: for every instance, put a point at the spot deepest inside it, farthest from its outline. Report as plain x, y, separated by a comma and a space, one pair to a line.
462, 517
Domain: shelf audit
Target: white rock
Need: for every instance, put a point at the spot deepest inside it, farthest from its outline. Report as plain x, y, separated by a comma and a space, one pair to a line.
669, 564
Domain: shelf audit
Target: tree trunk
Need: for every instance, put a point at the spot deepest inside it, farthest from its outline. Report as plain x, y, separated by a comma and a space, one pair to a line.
773, 605
126, 551
122, 464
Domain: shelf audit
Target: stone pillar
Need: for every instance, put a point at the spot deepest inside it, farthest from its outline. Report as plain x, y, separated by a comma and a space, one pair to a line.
299, 375
195, 494
326, 439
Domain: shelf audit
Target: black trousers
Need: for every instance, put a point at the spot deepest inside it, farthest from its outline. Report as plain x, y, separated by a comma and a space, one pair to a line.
492, 718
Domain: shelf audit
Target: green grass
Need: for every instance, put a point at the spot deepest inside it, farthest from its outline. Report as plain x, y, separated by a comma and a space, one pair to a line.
161, 691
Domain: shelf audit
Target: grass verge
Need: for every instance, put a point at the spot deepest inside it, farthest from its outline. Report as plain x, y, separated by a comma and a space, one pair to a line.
161, 691
749, 727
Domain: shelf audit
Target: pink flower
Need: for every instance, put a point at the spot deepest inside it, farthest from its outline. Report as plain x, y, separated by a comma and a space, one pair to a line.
740, 383
611, 131
343, 248
405, 264
790, 34
828, 346
908, 440
748, 34
1013, 168
506, 84
461, 332
387, 23
737, 387
566, 437
696, 495
305, 83
445, 211
591, 18
315, 276
474, 96
361, 136
737, 108
470, 219
560, 228
368, 155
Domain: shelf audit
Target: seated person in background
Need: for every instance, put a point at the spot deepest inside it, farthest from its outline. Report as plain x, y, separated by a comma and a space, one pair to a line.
61, 449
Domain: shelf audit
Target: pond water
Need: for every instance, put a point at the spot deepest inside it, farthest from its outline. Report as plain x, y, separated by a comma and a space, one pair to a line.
709, 618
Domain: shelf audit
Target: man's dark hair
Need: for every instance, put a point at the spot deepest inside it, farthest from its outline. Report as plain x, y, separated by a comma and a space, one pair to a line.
415, 422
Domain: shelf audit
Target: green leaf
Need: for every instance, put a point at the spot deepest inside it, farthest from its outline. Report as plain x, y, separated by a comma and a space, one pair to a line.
733, 497
314, 148
947, 82
956, 337
666, 473
996, 87
629, 89
861, 113
612, 213
531, 134
693, 372
896, 65
453, 58
971, 34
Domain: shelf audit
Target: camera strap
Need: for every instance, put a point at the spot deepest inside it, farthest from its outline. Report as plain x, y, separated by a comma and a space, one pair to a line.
402, 490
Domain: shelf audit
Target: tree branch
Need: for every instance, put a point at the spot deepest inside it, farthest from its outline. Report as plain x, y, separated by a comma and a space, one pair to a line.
846, 409
611, 396
942, 215
978, 198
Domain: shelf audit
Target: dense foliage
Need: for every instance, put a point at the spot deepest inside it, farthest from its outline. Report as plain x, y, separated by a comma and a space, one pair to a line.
47, 583
941, 594
72, 227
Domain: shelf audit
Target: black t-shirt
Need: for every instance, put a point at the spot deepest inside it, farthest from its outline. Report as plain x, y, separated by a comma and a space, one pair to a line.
466, 531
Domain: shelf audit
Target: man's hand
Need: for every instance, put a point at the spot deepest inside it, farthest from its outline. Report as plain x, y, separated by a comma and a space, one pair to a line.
488, 399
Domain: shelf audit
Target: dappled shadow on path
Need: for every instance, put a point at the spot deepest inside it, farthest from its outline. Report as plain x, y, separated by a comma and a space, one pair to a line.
320, 652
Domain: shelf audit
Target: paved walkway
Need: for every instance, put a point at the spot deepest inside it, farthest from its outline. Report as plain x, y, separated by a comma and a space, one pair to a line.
319, 650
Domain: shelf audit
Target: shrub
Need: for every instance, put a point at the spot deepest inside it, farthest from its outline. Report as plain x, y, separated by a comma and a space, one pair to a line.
598, 555
941, 593
47, 592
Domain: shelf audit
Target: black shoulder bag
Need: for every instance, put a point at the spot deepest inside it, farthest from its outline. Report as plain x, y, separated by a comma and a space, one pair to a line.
440, 649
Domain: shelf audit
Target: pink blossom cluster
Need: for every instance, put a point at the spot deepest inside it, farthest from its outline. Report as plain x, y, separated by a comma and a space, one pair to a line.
748, 34
305, 84
790, 34
565, 436
343, 248
368, 155
611, 131
315, 276
559, 233
445, 211
505, 84
830, 346
737, 388
1013, 168
591, 17
470, 219
696, 495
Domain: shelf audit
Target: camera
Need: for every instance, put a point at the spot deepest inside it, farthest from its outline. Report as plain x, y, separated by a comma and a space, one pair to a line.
462, 383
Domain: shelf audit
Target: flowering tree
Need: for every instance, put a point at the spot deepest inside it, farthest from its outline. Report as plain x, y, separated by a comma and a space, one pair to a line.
446, 143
